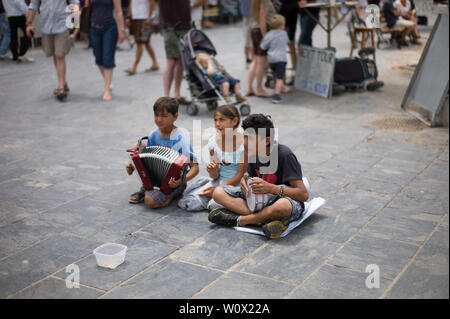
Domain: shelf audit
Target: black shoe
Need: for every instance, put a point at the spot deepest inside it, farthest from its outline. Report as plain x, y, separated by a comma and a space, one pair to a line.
224, 217
274, 229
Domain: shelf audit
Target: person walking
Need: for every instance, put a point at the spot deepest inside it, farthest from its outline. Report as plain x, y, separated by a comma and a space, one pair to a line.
16, 11
262, 11
104, 36
56, 41
140, 19
5, 35
174, 23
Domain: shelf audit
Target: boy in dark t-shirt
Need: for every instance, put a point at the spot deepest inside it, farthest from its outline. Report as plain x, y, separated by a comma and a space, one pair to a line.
280, 176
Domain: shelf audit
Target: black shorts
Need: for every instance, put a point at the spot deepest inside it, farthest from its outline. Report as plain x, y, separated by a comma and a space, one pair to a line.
279, 69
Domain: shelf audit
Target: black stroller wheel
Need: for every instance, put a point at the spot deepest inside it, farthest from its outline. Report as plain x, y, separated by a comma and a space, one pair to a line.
211, 105
244, 109
192, 109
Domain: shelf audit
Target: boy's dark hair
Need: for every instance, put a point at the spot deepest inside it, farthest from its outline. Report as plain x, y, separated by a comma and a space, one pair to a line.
166, 104
257, 122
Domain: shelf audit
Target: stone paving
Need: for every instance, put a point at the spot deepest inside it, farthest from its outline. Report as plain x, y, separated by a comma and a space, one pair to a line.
64, 190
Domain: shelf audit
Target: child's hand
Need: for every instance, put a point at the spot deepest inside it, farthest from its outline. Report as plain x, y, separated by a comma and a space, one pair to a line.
207, 192
244, 188
260, 186
174, 183
221, 67
130, 168
213, 169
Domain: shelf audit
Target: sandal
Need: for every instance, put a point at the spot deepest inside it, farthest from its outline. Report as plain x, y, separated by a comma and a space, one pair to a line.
61, 94
139, 198
152, 68
130, 71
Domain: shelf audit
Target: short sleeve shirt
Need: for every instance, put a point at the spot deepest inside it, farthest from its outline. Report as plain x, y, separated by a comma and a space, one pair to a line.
179, 141
287, 168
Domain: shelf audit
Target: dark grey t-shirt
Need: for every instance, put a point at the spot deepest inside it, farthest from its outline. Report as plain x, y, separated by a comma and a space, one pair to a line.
288, 168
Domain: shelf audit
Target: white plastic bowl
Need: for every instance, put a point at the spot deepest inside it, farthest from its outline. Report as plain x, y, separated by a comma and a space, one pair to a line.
110, 255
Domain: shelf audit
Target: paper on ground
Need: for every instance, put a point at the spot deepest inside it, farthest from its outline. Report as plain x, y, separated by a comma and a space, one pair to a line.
310, 207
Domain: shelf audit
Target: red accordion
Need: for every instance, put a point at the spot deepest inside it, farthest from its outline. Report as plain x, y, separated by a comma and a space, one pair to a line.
156, 165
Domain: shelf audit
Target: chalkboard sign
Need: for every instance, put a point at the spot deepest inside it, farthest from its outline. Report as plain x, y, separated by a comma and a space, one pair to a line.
429, 84
314, 71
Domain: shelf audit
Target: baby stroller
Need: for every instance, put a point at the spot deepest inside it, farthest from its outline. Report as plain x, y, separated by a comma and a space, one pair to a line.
203, 89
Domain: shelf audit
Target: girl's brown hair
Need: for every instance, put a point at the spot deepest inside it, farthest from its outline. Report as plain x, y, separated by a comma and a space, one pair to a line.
230, 112
256, 8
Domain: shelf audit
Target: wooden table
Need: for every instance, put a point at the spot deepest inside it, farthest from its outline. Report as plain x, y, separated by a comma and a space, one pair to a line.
323, 5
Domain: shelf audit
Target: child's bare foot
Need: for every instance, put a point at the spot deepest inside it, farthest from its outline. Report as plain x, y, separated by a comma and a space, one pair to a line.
137, 197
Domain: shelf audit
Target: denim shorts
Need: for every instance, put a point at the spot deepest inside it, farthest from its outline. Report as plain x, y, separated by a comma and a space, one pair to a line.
104, 42
297, 207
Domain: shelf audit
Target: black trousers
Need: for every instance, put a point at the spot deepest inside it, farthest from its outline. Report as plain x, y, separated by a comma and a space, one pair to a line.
16, 23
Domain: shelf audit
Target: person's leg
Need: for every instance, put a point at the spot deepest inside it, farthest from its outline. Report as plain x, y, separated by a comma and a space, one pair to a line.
168, 75
137, 58
235, 204
278, 86
5, 34
151, 203
13, 43
110, 37
178, 77
60, 65
282, 208
25, 42
261, 64
152, 54
225, 89
251, 76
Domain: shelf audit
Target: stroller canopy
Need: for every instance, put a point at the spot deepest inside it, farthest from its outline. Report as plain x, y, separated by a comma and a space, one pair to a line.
198, 42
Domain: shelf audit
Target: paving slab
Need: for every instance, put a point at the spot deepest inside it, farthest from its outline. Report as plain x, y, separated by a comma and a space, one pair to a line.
179, 229
140, 255
399, 225
435, 251
26, 232
53, 288
235, 285
362, 251
422, 281
220, 248
168, 279
289, 259
35, 263
331, 282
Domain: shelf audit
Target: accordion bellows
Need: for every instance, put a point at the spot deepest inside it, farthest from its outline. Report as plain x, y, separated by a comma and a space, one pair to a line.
156, 165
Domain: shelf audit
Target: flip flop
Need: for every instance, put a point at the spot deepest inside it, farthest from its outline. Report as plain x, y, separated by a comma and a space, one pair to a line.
250, 94
152, 68
130, 72
139, 198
